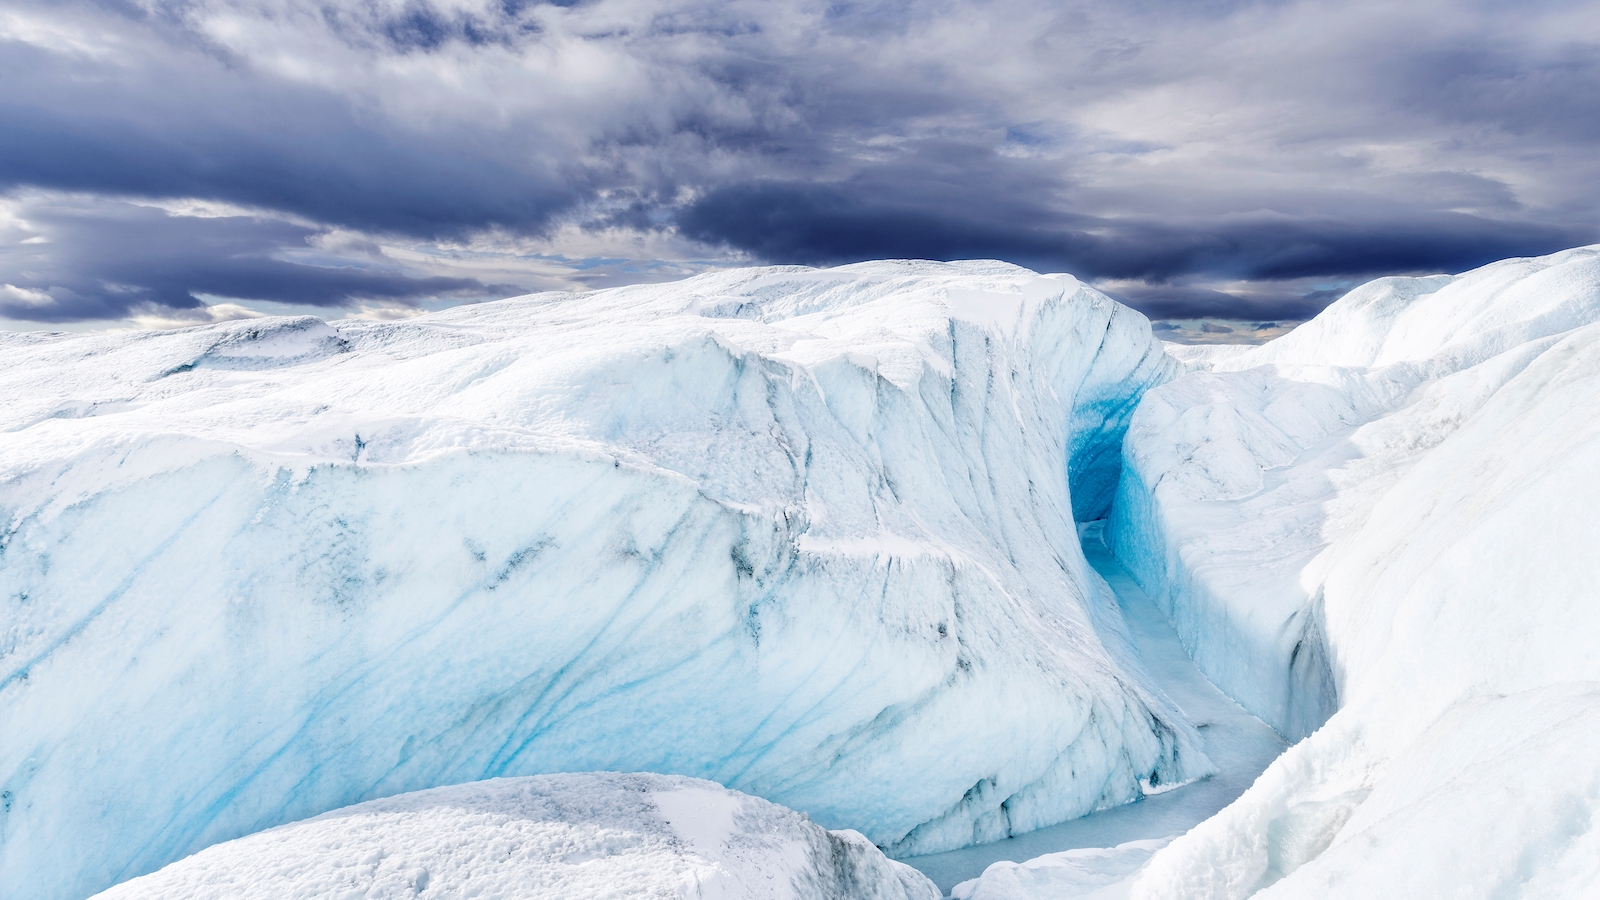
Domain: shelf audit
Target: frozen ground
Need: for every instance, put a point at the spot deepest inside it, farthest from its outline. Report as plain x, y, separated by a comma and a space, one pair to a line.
545, 837
1084, 853
805, 533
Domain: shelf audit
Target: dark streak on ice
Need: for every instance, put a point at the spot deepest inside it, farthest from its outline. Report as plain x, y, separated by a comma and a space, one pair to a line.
1240, 744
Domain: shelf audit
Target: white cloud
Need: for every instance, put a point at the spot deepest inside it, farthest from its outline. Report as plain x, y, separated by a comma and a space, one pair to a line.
164, 318
10, 293
385, 313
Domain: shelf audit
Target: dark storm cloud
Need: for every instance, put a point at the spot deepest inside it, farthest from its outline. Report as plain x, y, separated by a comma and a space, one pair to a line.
104, 259
1188, 301
1210, 158
1482, 81
1275, 247
203, 130
830, 224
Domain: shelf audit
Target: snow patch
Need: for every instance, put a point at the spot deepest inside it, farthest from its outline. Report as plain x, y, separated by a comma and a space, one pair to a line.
553, 837
1099, 873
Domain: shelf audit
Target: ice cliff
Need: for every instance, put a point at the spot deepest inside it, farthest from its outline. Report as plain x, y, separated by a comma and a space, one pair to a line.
581, 836
1381, 528
805, 533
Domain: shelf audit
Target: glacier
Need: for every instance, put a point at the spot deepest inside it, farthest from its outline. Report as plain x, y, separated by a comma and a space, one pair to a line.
1378, 533
585, 835
813, 535
805, 533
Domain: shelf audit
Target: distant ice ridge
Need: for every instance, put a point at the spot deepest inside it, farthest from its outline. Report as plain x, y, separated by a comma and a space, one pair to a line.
551, 837
806, 533
1203, 356
1388, 517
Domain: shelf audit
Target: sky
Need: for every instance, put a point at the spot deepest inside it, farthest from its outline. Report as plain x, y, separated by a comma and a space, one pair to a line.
1215, 164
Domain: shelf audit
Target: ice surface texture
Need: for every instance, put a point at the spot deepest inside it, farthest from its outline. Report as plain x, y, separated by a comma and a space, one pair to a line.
1239, 744
805, 533
551, 837
1388, 516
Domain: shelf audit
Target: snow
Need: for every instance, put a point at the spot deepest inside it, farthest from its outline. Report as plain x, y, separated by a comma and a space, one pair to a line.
1379, 531
805, 533
581, 836
1097, 873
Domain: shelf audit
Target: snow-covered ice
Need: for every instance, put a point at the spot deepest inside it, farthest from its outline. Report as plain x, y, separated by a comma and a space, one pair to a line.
545, 837
806, 533
1387, 517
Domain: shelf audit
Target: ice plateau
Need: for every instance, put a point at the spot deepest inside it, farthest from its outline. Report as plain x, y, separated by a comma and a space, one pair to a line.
1379, 531
805, 533
559, 837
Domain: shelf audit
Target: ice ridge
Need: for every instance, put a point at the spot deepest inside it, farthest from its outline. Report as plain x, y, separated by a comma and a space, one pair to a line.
1379, 531
805, 533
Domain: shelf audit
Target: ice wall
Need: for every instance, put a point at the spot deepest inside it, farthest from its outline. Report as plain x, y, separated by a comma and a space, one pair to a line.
804, 533
1388, 517
554, 837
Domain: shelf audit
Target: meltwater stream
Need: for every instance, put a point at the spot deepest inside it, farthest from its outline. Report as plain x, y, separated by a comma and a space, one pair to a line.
1240, 745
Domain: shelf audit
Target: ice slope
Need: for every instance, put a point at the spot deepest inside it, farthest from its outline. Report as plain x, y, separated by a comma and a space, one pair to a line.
551, 837
1388, 517
806, 533
1060, 857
